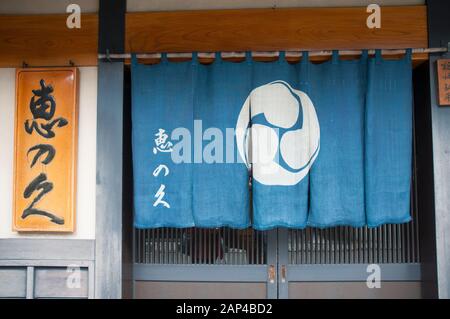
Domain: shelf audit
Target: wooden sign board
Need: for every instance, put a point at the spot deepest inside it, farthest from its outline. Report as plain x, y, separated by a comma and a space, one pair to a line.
444, 81
46, 135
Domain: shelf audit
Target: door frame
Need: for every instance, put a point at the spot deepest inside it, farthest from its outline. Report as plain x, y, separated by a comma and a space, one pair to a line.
220, 273
109, 261
335, 272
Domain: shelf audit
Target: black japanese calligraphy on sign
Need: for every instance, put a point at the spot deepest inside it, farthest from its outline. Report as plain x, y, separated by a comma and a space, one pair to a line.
445, 65
443, 81
39, 184
43, 108
42, 149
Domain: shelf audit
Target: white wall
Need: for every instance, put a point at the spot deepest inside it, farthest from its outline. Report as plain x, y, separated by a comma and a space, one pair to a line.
86, 170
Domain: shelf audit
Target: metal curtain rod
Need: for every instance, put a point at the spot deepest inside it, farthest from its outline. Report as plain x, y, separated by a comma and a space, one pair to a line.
269, 53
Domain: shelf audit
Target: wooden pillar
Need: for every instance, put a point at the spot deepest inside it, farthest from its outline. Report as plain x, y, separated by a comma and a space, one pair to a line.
439, 35
108, 232
432, 124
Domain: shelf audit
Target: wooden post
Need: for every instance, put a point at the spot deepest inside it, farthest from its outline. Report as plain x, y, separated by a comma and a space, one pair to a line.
108, 232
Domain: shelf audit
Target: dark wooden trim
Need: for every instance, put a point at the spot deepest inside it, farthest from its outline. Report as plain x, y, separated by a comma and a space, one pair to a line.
111, 26
424, 179
438, 23
127, 203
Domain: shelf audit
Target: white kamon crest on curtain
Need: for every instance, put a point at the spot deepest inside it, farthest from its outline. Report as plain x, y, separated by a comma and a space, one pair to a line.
284, 135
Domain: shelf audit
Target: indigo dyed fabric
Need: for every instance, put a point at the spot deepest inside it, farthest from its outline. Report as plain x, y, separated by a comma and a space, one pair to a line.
162, 189
285, 126
220, 184
337, 177
272, 144
204, 185
388, 141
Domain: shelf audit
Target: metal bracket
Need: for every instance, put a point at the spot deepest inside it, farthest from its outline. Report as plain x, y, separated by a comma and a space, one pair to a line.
108, 56
271, 274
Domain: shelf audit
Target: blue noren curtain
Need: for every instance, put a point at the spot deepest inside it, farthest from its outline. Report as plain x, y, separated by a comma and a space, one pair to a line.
272, 144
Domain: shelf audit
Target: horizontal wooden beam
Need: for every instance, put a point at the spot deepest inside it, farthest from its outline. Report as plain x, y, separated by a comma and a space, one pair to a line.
46, 249
275, 29
45, 40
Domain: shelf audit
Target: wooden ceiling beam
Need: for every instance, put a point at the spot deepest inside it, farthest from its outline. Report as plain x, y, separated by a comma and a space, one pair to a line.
44, 40
275, 29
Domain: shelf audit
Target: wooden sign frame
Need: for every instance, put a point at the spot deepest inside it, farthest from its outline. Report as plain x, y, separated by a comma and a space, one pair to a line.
443, 73
45, 149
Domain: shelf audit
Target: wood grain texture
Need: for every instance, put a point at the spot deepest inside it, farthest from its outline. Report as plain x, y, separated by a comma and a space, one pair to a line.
33, 250
13, 282
52, 282
46, 137
355, 290
108, 221
45, 40
274, 29
443, 72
